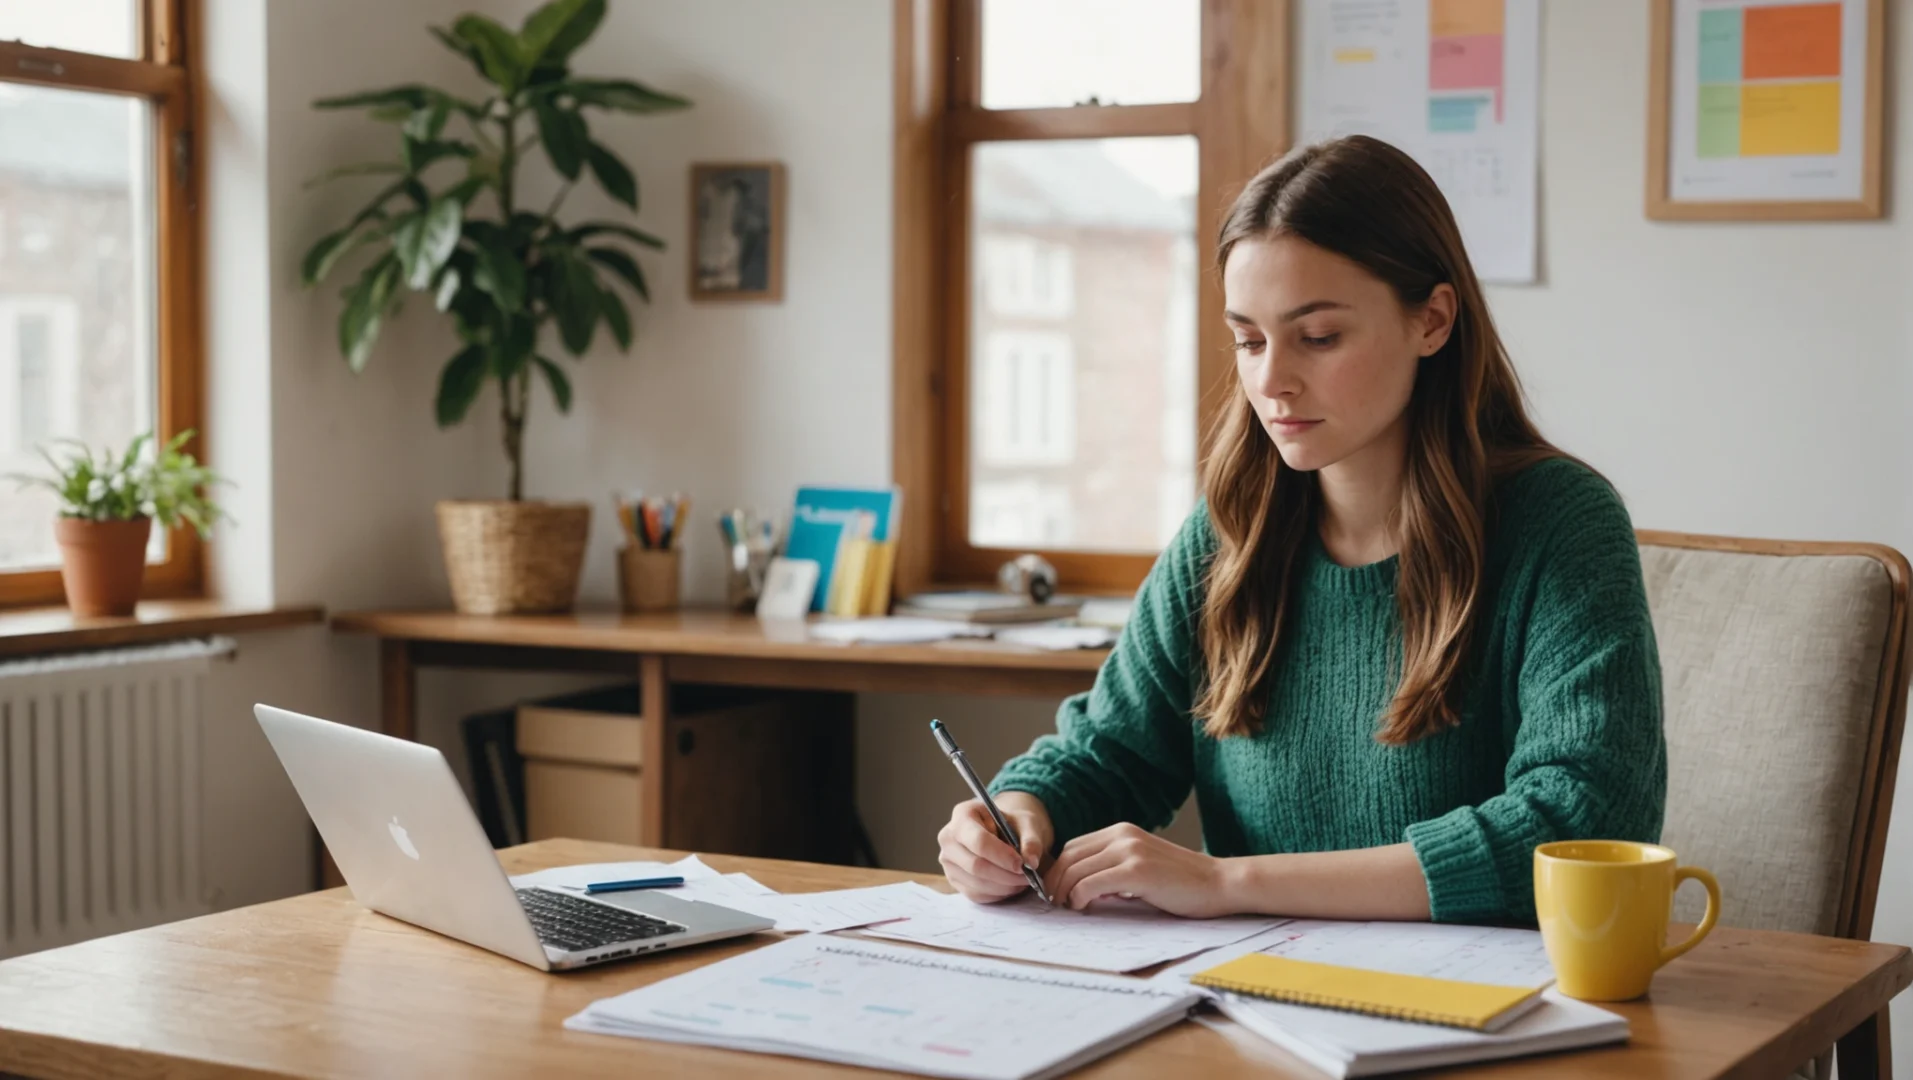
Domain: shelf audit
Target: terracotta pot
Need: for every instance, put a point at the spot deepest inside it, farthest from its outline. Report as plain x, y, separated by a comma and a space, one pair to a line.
103, 563
509, 558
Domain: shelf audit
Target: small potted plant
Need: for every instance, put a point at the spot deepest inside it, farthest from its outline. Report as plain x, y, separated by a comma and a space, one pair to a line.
451, 222
108, 504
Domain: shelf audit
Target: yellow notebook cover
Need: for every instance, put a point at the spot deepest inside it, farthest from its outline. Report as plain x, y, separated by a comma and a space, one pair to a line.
1476, 1006
880, 566
848, 582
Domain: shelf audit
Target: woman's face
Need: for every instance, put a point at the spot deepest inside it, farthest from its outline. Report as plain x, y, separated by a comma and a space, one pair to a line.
1325, 352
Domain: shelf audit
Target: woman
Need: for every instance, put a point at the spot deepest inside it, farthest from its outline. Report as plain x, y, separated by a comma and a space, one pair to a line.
1403, 641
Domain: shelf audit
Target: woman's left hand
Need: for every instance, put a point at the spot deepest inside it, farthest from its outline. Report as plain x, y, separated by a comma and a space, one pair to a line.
1129, 861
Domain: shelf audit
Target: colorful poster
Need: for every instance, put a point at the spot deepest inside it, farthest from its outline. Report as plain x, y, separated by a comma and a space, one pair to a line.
1453, 82
1768, 100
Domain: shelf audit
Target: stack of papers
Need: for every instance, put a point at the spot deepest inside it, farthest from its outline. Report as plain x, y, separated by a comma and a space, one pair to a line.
878, 1006
1345, 1044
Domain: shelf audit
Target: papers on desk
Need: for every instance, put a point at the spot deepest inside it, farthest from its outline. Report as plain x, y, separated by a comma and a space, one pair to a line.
847, 909
885, 630
1058, 638
879, 1006
817, 913
1113, 935
907, 630
1345, 1044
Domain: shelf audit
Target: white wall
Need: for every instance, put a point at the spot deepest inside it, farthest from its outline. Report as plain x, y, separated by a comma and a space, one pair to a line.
334, 474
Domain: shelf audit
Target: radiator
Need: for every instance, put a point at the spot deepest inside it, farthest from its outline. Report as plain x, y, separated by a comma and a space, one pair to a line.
100, 793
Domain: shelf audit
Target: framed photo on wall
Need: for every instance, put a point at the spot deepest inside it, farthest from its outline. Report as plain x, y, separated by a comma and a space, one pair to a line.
1766, 109
737, 231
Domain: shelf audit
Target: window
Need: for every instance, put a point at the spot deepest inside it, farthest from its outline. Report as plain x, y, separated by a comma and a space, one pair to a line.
98, 291
1061, 165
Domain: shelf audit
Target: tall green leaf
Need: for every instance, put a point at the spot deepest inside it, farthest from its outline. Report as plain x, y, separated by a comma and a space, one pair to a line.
560, 385
576, 297
426, 241
363, 168
326, 254
598, 228
462, 47
499, 273
449, 281
616, 317
411, 95
425, 124
366, 303
564, 135
498, 51
612, 175
554, 30
622, 265
417, 155
459, 384
511, 348
623, 95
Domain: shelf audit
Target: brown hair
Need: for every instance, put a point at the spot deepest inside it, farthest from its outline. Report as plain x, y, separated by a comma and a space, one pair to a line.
1368, 202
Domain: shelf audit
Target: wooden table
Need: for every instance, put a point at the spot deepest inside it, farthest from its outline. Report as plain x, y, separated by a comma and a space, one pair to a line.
317, 986
693, 647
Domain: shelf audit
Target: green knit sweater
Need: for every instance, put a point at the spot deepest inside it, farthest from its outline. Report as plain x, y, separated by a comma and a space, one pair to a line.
1560, 735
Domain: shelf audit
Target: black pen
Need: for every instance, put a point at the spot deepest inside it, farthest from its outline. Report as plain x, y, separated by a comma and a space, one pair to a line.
976, 786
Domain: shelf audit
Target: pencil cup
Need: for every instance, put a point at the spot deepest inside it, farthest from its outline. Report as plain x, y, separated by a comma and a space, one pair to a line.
648, 579
744, 580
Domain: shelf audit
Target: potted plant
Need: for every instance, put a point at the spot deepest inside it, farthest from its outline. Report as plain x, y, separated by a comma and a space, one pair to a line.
450, 223
108, 505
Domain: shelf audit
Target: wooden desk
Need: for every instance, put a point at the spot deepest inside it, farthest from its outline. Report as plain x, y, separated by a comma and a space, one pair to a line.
693, 647
317, 986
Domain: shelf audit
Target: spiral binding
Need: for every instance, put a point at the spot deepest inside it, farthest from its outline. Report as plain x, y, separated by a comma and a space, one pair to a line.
1325, 1001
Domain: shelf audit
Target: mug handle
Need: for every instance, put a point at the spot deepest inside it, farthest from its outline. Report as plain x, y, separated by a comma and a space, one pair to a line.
1706, 921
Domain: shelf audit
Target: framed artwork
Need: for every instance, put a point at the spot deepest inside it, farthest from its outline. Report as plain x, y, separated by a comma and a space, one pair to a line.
737, 231
1766, 109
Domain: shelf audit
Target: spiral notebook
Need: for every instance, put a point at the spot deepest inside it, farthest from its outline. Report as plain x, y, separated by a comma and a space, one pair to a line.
1450, 1002
887, 1007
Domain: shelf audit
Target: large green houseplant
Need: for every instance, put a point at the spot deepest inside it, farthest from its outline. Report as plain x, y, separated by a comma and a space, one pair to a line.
450, 222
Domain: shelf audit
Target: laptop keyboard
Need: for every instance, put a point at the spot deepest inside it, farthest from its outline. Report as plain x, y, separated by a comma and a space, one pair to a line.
577, 924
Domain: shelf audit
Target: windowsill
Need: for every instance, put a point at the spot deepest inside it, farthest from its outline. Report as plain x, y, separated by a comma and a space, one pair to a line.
41, 630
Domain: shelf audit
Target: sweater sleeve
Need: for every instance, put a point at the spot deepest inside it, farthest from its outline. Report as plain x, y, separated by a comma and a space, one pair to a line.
1587, 757
1123, 750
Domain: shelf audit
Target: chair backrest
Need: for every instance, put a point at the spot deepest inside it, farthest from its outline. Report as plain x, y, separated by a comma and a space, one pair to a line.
1785, 672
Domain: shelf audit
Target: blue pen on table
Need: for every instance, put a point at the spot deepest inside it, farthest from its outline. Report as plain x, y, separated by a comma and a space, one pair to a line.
635, 883
963, 769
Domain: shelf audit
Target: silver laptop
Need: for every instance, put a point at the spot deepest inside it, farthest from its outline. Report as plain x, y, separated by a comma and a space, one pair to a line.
401, 832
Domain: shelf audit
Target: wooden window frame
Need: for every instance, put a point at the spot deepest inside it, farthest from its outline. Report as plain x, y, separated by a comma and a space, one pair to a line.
1240, 121
164, 74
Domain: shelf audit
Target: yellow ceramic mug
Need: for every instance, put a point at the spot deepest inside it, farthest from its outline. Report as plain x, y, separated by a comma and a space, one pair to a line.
1603, 906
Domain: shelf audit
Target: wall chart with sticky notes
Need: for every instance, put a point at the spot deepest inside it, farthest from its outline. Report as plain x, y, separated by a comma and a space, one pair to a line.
1765, 100
1455, 83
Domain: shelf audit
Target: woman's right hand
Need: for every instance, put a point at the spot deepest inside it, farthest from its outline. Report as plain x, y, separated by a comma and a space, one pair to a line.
982, 865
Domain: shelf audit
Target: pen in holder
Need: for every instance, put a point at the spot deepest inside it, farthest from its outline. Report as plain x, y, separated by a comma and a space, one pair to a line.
750, 543
648, 565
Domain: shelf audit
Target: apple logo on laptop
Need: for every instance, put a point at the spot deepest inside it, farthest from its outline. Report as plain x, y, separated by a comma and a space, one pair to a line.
401, 839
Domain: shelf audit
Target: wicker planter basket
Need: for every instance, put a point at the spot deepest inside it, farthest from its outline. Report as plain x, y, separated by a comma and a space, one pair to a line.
513, 557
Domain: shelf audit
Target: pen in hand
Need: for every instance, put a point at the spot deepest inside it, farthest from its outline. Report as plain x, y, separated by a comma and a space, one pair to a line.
1003, 828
